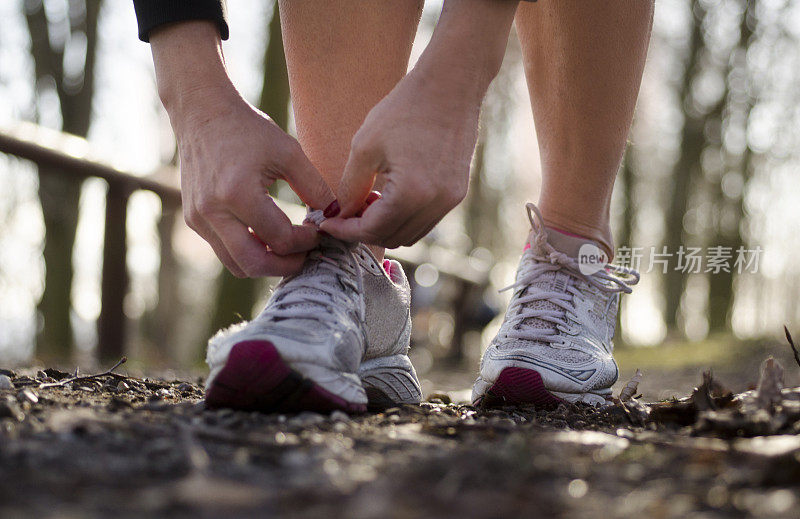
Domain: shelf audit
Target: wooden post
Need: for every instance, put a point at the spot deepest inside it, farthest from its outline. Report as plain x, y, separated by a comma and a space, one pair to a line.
462, 311
111, 324
163, 331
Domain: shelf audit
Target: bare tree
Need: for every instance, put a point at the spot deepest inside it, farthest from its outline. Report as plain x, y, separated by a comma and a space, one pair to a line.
58, 194
730, 206
686, 171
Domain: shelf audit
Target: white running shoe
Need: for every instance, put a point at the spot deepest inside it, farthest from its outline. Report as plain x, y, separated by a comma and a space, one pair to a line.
386, 371
343, 319
555, 343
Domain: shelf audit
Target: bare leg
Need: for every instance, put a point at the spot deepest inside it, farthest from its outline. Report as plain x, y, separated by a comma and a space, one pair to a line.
583, 63
343, 57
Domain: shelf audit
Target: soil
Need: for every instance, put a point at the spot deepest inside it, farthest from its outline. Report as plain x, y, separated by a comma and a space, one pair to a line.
119, 446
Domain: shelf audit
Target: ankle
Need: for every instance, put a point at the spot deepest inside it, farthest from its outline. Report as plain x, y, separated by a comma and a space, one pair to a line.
567, 233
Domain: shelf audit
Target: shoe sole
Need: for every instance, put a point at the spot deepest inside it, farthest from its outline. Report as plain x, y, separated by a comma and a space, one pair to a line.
389, 381
256, 378
518, 386
522, 386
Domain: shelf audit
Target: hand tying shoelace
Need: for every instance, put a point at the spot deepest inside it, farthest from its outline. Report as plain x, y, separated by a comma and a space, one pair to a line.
333, 336
317, 293
316, 217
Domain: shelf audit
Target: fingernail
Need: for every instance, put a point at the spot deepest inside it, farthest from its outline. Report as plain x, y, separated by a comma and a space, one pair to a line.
254, 235
332, 210
373, 196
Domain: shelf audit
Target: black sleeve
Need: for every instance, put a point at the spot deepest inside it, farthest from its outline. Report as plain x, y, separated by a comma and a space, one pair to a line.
152, 13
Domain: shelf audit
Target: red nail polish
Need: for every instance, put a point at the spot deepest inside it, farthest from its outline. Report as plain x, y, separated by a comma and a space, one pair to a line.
332, 210
372, 197
254, 235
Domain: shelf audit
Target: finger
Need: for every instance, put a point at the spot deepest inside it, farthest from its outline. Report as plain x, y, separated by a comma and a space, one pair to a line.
376, 227
205, 232
226, 259
408, 231
284, 265
306, 181
418, 224
307, 231
357, 179
251, 256
419, 236
272, 226
417, 227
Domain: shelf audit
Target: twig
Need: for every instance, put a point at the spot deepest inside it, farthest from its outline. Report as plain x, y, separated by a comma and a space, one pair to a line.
631, 387
791, 343
108, 372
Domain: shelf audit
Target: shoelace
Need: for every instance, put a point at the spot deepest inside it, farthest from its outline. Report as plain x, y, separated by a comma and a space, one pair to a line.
314, 292
544, 258
316, 217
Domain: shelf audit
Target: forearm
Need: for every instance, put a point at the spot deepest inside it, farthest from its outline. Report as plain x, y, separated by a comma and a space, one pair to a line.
468, 45
189, 65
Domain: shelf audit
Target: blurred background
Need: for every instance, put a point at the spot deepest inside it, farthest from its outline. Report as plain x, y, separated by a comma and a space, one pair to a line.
712, 162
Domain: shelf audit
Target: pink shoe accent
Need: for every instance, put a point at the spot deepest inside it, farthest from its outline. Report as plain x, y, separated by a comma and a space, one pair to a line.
256, 378
390, 270
519, 386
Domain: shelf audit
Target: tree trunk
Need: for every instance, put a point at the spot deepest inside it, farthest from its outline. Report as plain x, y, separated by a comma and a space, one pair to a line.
685, 171
625, 233
111, 326
59, 196
274, 99
729, 234
627, 180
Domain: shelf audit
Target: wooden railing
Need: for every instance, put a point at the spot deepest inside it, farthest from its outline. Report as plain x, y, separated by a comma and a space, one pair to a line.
74, 156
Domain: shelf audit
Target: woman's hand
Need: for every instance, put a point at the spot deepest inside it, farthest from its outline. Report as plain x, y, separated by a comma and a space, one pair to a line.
418, 142
230, 154
415, 146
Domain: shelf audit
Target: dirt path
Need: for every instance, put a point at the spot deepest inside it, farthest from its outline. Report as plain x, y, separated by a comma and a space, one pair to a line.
122, 447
